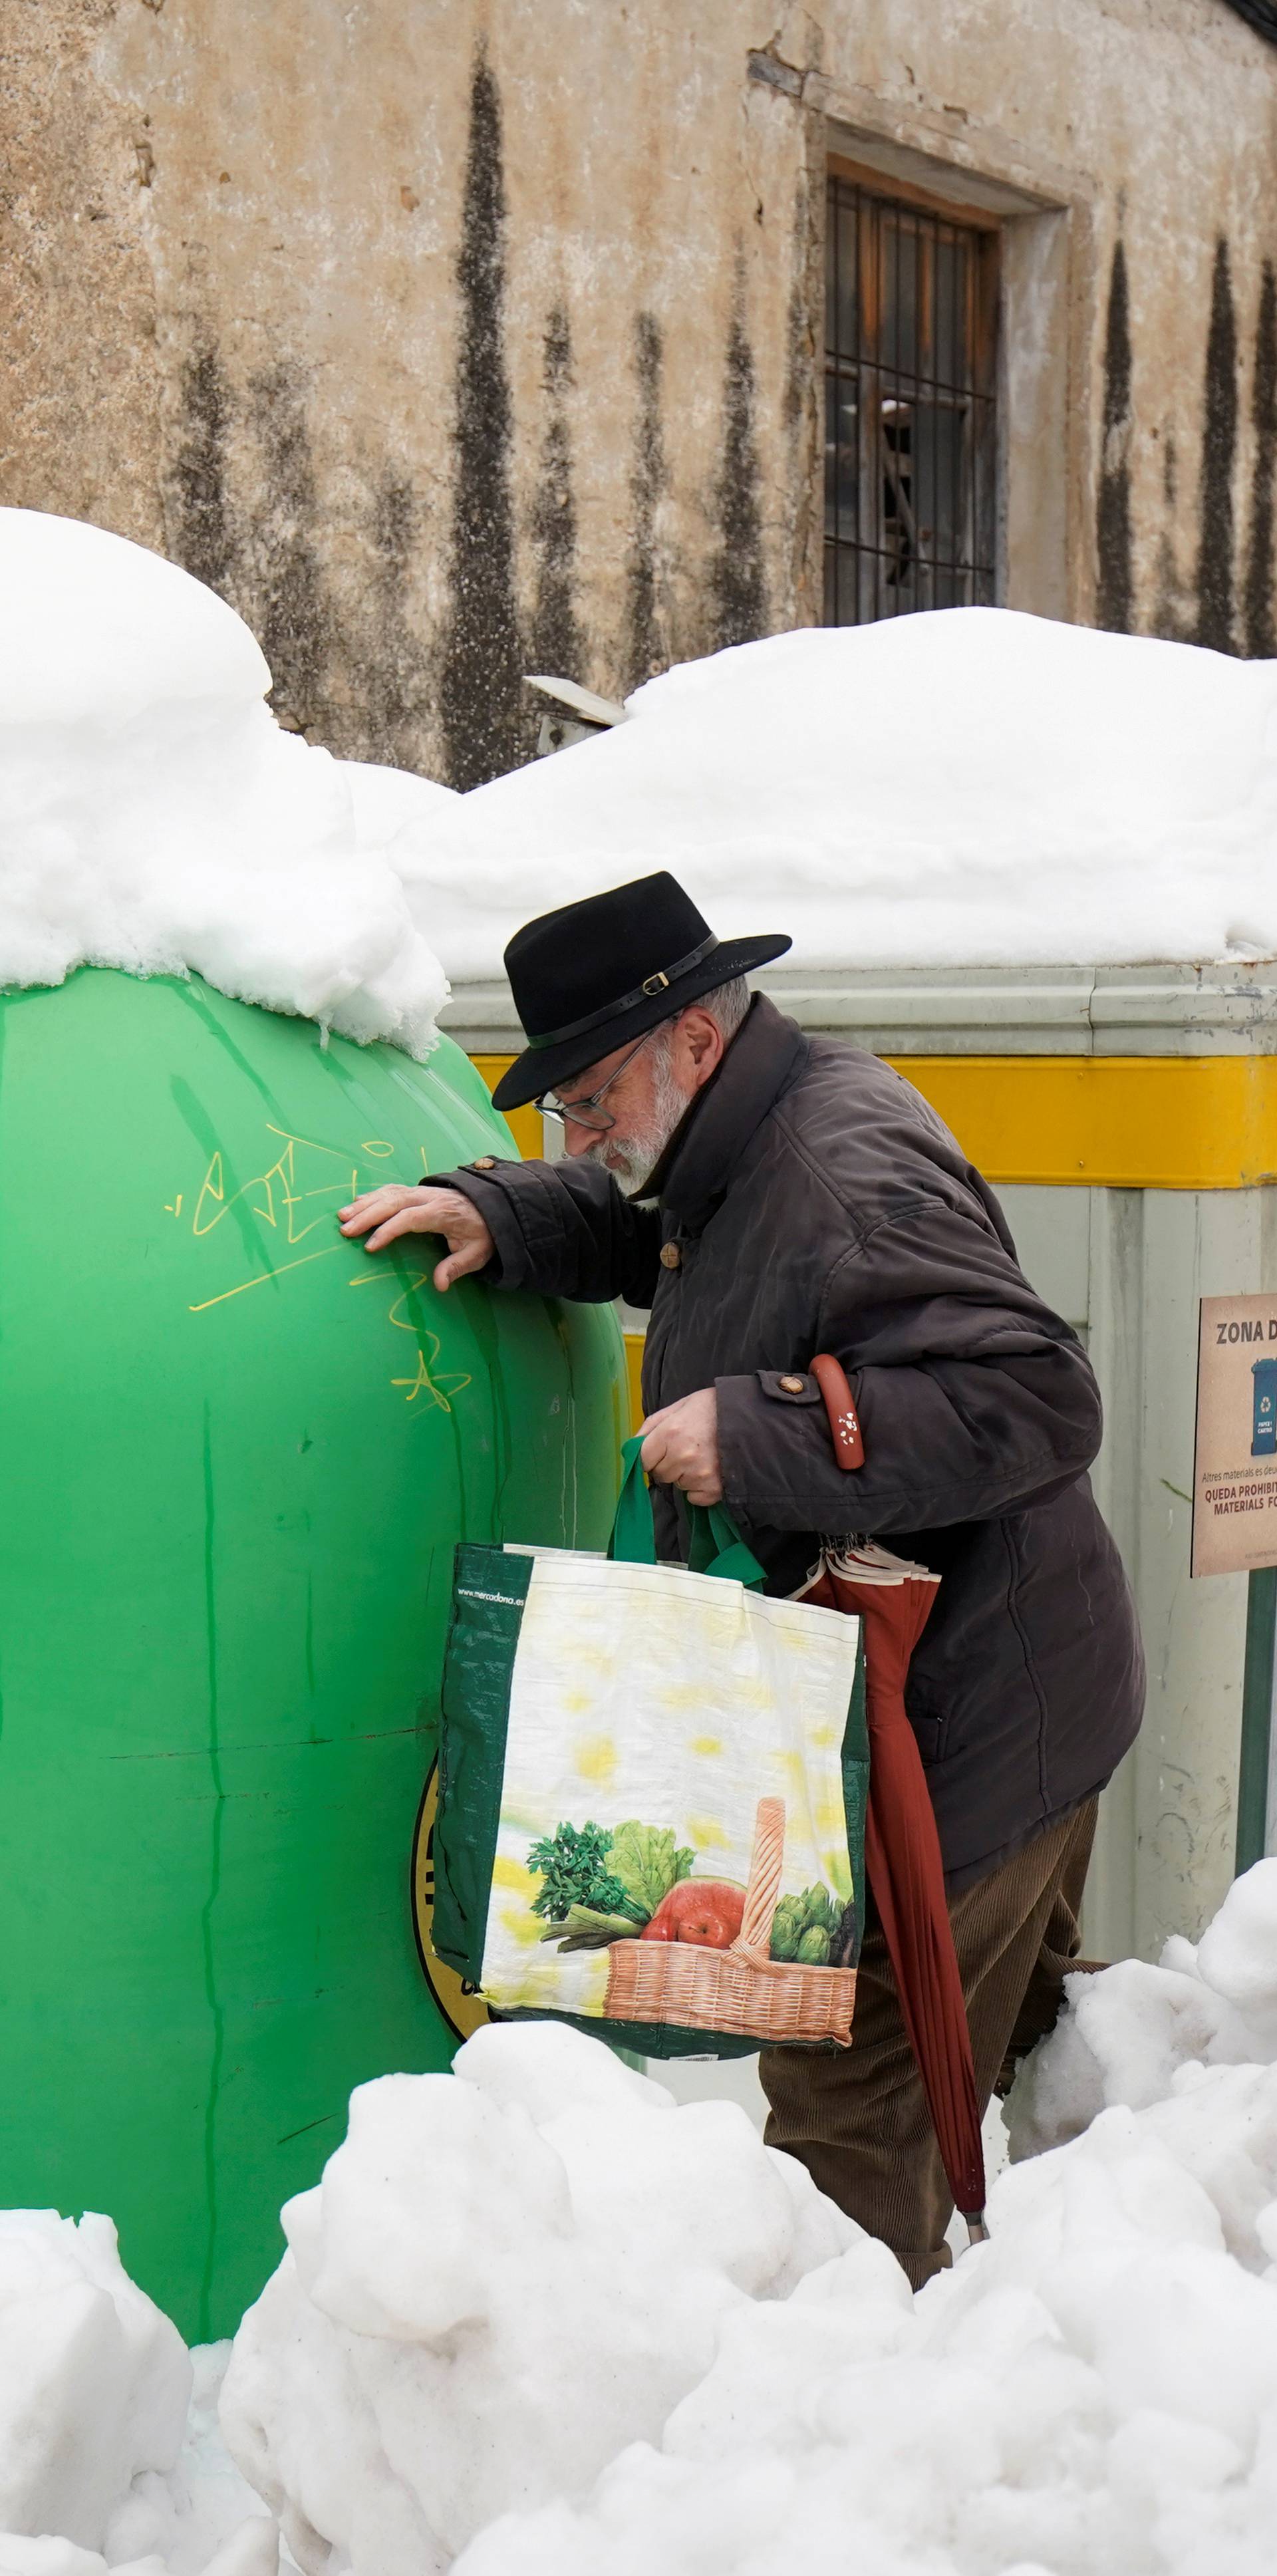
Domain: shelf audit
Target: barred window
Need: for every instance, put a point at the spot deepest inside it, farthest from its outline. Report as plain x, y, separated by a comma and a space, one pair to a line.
911, 432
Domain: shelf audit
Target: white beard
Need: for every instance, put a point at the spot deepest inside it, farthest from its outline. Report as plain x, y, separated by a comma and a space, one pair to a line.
633, 1158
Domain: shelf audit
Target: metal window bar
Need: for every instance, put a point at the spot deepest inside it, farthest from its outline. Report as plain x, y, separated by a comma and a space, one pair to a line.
910, 410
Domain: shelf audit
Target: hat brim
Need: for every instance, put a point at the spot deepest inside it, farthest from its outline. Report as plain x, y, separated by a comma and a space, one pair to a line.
545, 1068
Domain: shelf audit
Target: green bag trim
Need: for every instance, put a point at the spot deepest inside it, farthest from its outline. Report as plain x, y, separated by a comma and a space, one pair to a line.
649, 2038
489, 1592
855, 1788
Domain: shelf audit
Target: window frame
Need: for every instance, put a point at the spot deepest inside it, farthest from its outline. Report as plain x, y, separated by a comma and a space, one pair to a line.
857, 567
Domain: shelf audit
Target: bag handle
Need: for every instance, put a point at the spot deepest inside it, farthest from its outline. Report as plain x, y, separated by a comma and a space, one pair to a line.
715, 1547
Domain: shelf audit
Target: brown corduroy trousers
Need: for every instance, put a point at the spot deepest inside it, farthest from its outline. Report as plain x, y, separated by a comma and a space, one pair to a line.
859, 2120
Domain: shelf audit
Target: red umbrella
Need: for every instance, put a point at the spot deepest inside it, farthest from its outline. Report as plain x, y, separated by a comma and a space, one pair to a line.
902, 1847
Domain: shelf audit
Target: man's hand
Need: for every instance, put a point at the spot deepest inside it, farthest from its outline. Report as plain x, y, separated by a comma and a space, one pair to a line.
680, 1446
393, 1210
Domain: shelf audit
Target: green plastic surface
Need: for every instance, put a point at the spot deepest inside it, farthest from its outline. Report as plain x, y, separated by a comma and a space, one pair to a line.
236, 1453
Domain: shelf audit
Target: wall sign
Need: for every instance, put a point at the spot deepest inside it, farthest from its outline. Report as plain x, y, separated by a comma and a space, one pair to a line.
1235, 1463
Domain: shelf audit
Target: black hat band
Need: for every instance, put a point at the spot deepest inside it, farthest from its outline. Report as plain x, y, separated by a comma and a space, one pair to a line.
644, 992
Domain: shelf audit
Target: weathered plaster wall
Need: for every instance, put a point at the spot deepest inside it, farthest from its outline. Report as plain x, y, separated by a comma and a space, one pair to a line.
454, 340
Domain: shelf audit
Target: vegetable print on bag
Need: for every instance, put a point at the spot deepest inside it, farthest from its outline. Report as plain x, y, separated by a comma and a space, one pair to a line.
652, 1809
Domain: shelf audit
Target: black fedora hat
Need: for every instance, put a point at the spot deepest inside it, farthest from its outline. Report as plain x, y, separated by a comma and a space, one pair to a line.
598, 974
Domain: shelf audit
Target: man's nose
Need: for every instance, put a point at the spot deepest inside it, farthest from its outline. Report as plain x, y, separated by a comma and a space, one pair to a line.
576, 1140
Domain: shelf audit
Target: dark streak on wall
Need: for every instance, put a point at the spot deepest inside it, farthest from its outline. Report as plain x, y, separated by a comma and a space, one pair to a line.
649, 478
800, 413
395, 665
557, 644
1115, 595
480, 683
1261, 570
1168, 614
1219, 450
799, 350
739, 592
200, 536
290, 614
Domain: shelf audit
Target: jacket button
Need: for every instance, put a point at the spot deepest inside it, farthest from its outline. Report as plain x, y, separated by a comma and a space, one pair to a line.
792, 1385
671, 1256
484, 1163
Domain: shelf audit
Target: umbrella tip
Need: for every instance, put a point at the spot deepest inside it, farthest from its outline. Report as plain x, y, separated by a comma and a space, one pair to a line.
977, 2232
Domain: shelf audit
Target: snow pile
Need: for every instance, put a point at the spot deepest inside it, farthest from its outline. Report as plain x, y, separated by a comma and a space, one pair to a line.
94, 2381
1142, 2035
386, 800
202, 2518
971, 786
538, 2317
968, 787
505, 2276
99, 2463
154, 816
1094, 2393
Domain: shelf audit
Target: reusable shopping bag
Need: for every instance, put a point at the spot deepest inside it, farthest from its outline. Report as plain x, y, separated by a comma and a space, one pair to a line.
652, 1793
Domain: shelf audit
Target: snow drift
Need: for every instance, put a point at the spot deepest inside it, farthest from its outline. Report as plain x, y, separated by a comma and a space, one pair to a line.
154, 816
100, 2460
1144, 2036
968, 787
94, 2381
1093, 2393
539, 2287
536, 2317
506, 2274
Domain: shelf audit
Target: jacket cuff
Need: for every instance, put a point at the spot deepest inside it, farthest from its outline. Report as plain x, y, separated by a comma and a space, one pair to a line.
745, 1405
507, 1268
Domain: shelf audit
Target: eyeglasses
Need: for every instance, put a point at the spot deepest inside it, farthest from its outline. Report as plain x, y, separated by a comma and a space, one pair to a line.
582, 1112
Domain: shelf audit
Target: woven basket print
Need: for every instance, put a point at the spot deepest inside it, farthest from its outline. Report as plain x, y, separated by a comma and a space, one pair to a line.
741, 1990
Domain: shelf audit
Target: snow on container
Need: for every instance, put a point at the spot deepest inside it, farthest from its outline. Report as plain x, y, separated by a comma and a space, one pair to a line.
238, 1454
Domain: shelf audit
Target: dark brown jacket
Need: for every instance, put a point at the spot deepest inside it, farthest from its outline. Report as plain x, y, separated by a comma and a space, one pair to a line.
817, 1203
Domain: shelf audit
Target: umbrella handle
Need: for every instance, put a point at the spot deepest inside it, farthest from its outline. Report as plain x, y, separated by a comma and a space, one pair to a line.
840, 1405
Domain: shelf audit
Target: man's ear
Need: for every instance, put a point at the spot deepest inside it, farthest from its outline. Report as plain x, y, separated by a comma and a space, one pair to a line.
703, 1039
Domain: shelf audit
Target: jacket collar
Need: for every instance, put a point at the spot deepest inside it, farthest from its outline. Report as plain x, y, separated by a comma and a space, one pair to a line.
700, 1161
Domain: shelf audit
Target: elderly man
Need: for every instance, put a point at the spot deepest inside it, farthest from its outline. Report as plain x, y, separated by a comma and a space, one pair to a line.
771, 1195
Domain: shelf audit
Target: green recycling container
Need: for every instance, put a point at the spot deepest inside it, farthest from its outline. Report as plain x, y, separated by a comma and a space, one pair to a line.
237, 1453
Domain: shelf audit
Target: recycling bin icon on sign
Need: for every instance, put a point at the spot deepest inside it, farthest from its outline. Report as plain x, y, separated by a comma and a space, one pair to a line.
1263, 1434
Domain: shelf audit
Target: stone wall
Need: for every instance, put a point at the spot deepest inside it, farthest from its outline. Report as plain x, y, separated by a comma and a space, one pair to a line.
452, 341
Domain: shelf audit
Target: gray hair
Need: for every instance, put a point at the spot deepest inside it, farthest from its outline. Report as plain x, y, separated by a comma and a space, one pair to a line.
727, 1006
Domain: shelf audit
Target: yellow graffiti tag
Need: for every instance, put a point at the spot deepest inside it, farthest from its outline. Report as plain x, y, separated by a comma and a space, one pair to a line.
437, 1390
281, 1195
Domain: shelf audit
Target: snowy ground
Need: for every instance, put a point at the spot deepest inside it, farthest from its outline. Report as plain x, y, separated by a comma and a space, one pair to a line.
537, 2315
110, 2451
735, 2079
